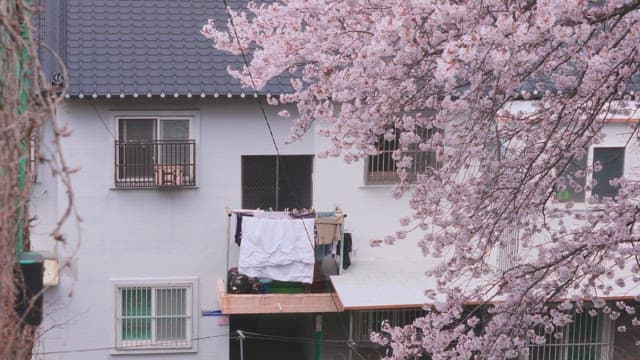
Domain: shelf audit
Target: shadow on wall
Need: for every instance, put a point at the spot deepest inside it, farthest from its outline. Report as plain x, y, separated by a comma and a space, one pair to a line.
295, 326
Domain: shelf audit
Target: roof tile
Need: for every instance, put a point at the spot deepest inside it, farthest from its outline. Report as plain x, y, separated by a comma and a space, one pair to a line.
155, 45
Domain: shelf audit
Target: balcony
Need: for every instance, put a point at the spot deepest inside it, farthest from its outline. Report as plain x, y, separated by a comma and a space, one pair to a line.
155, 164
275, 303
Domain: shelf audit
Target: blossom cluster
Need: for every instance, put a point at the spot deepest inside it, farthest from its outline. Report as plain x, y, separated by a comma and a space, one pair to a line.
365, 70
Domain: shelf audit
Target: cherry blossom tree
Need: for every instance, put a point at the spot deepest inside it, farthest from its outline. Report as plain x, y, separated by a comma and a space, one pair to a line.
521, 89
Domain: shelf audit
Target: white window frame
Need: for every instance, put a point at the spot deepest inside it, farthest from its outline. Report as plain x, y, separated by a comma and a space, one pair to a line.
123, 347
391, 177
606, 342
589, 171
194, 130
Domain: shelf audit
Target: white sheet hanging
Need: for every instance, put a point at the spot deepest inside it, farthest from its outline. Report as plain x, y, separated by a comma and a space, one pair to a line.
279, 249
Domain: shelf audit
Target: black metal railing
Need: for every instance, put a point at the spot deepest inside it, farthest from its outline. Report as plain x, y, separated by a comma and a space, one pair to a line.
155, 163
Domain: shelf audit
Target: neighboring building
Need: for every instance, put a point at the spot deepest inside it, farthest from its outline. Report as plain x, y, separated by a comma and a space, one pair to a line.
166, 141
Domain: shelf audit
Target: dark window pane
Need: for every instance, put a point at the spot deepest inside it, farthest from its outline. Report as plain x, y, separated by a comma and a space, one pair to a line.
612, 161
259, 182
576, 166
295, 182
136, 155
136, 130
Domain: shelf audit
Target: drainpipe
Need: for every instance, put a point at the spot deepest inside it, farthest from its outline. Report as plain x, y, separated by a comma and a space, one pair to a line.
29, 299
24, 161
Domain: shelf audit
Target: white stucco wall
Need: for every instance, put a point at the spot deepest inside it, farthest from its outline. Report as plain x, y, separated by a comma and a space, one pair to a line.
152, 233
157, 233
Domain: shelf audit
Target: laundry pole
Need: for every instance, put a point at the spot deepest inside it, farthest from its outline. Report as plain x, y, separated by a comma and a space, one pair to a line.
319, 338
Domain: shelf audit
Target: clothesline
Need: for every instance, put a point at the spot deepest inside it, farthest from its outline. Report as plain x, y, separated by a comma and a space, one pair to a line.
272, 242
231, 211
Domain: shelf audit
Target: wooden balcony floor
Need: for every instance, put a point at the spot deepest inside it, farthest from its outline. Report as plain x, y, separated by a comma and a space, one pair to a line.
276, 303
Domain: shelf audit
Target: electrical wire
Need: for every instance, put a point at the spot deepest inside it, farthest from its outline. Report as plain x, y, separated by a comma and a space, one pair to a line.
260, 103
253, 83
349, 344
132, 347
104, 123
256, 335
291, 339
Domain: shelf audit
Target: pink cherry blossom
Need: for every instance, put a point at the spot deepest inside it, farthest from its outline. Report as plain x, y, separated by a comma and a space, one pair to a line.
521, 90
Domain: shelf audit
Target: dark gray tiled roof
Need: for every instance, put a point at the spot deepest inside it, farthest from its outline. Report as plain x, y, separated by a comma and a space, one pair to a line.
152, 46
149, 46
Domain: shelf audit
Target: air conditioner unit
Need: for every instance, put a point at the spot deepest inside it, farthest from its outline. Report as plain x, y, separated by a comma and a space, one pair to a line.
168, 175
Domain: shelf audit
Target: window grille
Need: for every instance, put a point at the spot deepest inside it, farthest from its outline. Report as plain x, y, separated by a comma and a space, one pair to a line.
369, 321
34, 153
586, 338
508, 249
154, 152
382, 169
150, 317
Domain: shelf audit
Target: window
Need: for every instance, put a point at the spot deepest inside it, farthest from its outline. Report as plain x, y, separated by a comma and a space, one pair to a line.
574, 182
508, 249
369, 321
290, 187
381, 168
611, 161
152, 316
153, 152
587, 337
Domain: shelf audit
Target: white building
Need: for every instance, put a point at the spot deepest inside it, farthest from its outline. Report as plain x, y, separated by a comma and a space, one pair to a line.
166, 142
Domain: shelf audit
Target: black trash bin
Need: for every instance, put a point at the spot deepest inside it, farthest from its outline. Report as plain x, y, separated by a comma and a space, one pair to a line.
29, 283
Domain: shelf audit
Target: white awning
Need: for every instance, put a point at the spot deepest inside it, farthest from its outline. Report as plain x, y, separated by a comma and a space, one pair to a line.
385, 284
377, 284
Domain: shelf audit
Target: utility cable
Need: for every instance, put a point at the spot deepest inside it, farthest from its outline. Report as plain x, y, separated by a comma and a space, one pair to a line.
275, 145
131, 347
260, 103
291, 339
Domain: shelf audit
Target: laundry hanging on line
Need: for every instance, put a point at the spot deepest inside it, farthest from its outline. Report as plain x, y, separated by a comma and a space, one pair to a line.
278, 249
328, 229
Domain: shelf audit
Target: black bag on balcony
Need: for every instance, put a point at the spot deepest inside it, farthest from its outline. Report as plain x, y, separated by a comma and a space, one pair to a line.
237, 283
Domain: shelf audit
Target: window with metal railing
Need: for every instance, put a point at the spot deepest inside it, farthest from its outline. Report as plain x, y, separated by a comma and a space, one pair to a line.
154, 152
382, 167
508, 249
586, 338
369, 321
154, 316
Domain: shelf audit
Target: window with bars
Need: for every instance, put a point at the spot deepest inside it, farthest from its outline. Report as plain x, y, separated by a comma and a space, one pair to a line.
382, 169
154, 152
369, 321
154, 316
586, 338
508, 249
